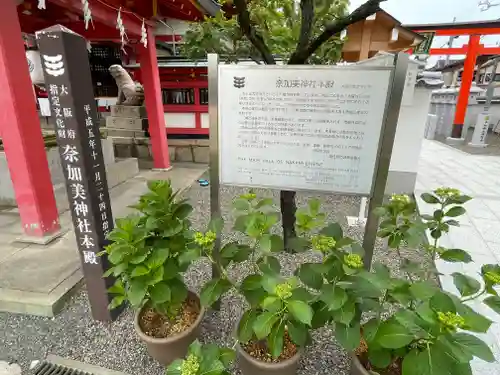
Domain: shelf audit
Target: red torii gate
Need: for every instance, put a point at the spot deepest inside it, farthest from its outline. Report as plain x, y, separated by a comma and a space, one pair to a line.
472, 50
19, 123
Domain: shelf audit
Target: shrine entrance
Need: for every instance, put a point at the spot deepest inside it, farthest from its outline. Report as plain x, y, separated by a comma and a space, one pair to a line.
472, 50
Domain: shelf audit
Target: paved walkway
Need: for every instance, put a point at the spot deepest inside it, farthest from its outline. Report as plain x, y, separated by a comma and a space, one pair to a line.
35, 279
479, 233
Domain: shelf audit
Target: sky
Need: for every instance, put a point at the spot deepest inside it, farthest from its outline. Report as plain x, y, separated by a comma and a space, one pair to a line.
439, 11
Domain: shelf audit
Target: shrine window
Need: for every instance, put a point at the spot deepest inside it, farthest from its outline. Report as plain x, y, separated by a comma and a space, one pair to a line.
204, 96
178, 96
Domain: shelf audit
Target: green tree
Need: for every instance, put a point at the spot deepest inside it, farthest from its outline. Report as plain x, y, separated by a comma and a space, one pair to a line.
305, 32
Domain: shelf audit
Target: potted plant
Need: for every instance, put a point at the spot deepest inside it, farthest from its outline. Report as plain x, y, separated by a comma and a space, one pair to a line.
426, 331
275, 327
148, 257
203, 360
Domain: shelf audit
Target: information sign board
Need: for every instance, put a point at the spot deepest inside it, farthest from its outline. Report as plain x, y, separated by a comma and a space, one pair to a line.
301, 127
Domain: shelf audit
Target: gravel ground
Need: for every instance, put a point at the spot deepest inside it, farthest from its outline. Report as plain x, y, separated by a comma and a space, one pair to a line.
73, 334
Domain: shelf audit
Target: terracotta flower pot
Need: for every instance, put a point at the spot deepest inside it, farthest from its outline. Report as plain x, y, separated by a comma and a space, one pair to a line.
168, 349
356, 367
252, 366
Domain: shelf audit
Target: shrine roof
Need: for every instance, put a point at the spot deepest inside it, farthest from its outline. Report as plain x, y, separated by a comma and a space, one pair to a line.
105, 12
180, 62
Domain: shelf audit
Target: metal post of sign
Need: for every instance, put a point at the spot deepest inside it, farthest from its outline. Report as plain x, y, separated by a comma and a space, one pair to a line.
387, 136
213, 116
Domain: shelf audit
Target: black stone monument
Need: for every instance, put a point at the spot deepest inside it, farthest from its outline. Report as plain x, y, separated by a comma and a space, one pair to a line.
69, 84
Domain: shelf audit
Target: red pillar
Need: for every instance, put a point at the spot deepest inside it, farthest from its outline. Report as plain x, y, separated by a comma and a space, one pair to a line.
21, 132
467, 78
150, 76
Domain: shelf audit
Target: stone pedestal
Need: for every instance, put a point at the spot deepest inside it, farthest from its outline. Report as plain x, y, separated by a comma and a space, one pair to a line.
128, 125
127, 121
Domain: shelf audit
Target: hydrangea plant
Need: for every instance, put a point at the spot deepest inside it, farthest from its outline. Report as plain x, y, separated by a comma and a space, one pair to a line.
427, 331
146, 251
203, 360
281, 307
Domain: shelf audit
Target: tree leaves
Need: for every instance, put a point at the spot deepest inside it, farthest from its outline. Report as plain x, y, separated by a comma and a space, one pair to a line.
234, 252
472, 345
117, 288
322, 315
216, 225
264, 323
348, 336
252, 282
466, 285
301, 311
442, 302
271, 243
214, 367
423, 290
333, 230
183, 211
433, 360
297, 332
333, 296
116, 301
213, 290
456, 255
392, 335
346, 313
178, 291
136, 293
420, 363
272, 304
379, 358
429, 198
139, 271
241, 204
269, 265
298, 244
157, 258
493, 302
160, 293
276, 338
227, 356
474, 321
245, 326
175, 367
455, 211
370, 329
309, 275
412, 322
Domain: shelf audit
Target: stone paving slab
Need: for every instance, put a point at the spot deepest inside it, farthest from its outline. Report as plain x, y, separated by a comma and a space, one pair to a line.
479, 233
37, 279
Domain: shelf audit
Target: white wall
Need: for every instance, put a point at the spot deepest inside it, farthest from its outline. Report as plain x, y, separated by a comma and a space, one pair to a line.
410, 132
180, 120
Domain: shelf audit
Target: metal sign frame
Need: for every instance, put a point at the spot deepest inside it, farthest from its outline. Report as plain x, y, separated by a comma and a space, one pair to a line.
308, 68
385, 146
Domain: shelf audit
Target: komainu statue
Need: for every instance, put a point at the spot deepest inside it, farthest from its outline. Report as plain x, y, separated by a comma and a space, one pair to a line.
129, 92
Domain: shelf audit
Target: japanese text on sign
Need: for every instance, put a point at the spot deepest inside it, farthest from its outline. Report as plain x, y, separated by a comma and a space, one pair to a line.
313, 129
